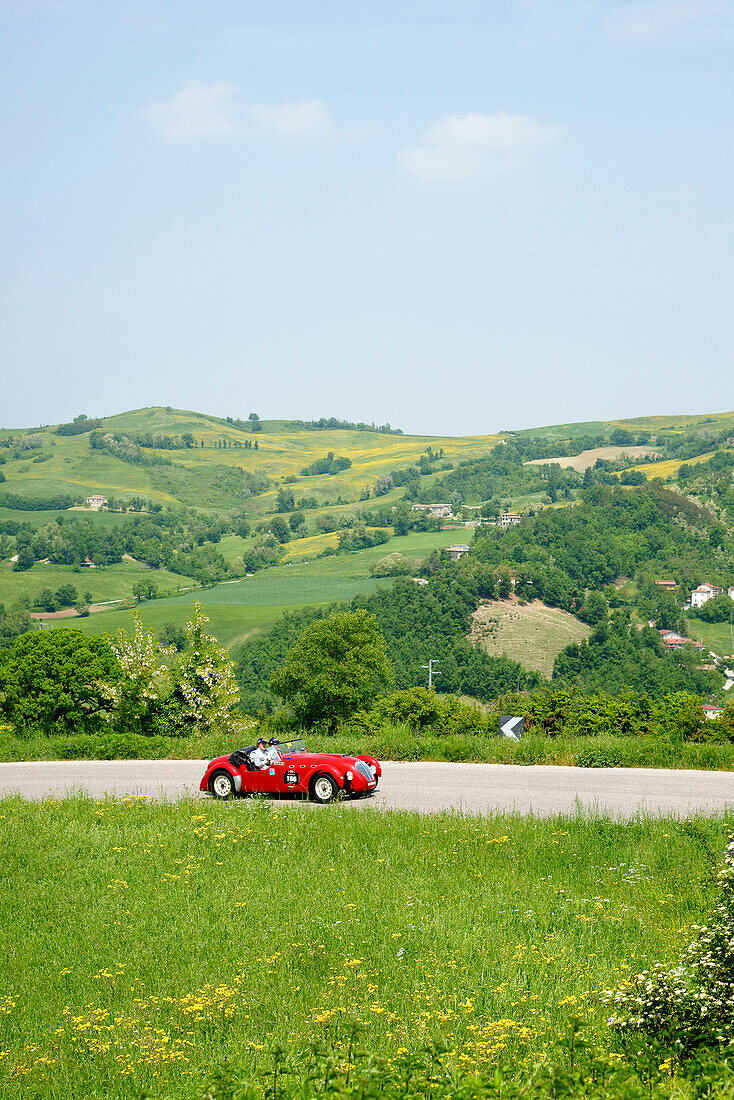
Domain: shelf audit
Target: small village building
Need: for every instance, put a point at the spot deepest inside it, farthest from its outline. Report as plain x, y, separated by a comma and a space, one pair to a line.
508, 519
457, 551
704, 593
672, 640
96, 501
669, 586
440, 510
711, 711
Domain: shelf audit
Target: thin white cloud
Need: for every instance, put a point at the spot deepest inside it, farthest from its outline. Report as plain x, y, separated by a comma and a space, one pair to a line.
650, 21
195, 112
200, 111
309, 120
466, 146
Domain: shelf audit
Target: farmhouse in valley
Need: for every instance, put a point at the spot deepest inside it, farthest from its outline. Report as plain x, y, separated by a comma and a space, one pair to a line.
507, 519
96, 501
457, 551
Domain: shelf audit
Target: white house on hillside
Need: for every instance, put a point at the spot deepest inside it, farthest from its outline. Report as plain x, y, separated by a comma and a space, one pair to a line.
507, 519
457, 551
704, 593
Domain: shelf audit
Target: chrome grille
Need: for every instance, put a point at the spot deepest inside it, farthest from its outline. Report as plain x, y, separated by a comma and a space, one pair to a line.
363, 769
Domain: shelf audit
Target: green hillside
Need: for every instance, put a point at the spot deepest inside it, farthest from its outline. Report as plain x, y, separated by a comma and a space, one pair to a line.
196, 499
210, 474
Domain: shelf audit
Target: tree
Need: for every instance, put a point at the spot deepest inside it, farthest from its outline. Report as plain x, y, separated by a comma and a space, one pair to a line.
280, 529
285, 500
25, 559
136, 695
13, 622
595, 608
173, 636
382, 485
66, 595
145, 590
336, 667
51, 682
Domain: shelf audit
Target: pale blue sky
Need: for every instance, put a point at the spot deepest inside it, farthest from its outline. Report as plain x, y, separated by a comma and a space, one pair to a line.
454, 216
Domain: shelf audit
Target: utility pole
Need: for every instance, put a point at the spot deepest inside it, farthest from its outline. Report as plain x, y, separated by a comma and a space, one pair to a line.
431, 673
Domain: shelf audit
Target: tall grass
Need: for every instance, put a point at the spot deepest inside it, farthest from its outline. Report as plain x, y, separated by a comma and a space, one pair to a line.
394, 742
142, 944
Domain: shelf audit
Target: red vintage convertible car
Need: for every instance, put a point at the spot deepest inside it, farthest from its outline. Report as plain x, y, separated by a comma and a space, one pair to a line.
319, 775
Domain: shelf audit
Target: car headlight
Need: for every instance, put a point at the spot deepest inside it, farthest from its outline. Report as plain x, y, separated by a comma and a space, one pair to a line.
373, 769
349, 776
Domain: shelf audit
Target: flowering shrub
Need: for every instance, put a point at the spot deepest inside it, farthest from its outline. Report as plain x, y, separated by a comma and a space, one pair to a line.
691, 1004
204, 688
194, 693
136, 698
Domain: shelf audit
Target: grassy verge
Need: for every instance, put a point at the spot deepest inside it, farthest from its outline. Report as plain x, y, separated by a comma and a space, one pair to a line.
393, 743
143, 945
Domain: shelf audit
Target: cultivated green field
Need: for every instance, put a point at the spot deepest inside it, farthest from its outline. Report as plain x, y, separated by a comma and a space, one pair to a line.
237, 608
111, 582
144, 947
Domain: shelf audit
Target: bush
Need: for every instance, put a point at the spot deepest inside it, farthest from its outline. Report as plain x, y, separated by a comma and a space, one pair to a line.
418, 708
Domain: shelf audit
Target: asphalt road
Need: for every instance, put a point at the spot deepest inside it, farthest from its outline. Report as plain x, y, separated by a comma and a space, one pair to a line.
426, 787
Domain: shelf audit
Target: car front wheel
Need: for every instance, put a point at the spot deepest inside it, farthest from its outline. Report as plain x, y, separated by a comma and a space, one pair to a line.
324, 789
221, 785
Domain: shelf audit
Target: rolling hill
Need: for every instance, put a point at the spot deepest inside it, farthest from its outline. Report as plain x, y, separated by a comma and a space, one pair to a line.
220, 471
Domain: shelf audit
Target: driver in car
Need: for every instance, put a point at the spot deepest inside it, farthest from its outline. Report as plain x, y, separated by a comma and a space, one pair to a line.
260, 756
264, 755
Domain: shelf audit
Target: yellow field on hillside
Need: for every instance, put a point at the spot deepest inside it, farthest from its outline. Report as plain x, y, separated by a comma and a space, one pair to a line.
311, 546
669, 467
206, 474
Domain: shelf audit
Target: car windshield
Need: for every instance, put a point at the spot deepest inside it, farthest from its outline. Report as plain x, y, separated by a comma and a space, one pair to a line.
289, 747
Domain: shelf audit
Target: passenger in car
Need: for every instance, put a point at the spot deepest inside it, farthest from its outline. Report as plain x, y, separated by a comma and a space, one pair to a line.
274, 751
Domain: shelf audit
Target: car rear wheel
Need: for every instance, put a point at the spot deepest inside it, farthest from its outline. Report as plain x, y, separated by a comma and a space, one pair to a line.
221, 785
324, 789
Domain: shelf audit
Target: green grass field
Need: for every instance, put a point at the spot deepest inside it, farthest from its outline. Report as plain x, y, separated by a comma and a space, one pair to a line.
113, 582
393, 742
142, 946
236, 608
715, 636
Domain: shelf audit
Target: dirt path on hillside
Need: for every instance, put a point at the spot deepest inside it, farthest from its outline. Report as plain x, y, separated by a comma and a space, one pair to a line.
71, 613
